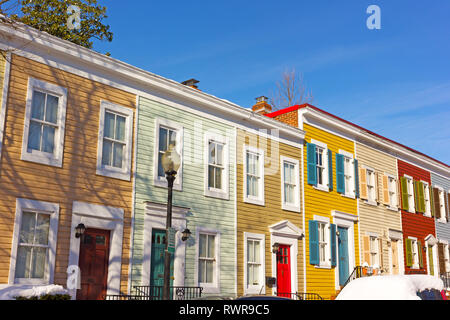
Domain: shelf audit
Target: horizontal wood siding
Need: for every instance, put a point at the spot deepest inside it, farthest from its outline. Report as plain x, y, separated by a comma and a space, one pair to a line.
378, 219
204, 211
415, 224
317, 202
257, 219
442, 229
76, 180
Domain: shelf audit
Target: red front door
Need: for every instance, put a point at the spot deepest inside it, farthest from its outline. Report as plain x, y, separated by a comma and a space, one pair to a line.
283, 271
93, 263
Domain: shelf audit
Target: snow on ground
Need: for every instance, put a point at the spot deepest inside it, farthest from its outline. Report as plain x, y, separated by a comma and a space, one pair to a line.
398, 287
8, 292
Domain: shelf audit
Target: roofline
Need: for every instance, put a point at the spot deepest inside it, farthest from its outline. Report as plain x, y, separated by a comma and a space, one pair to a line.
123, 69
307, 105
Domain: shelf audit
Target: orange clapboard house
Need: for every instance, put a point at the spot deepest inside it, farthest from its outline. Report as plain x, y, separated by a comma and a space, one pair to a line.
330, 204
66, 162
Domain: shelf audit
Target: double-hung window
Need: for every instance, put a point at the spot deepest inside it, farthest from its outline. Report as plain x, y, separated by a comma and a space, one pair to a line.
415, 253
167, 134
410, 191
44, 125
442, 206
208, 259
392, 188
323, 243
320, 161
371, 186
254, 263
254, 175
290, 184
374, 251
34, 242
216, 158
426, 197
114, 141
317, 158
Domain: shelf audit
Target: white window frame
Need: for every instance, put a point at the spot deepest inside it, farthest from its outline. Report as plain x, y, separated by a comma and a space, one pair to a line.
374, 251
162, 181
446, 256
250, 199
326, 263
295, 207
123, 173
52, 209
415, 253
56, 158
213, 192
215, 286
426, 198
255, 289
442, 217
392, 193
371, 172
411, 199
324, 186
349, 176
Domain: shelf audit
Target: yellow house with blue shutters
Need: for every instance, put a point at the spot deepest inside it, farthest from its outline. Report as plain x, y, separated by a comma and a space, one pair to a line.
330, 196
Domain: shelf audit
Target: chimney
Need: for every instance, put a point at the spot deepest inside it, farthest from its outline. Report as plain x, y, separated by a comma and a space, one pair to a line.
262, 106
191, 83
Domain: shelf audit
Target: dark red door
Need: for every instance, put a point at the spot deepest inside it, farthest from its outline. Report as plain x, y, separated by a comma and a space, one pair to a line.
93, 263
283, 271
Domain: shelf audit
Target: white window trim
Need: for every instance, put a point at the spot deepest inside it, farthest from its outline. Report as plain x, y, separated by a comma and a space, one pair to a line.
287, 206
212, 192
215, 286
415, 264
327, 263
434, 257
390, 176
56, 158
255, 289
442, 216
426, 194
162, 181
446, 256
41, 207
369, 201
412, 203
325, 186
123, 173
260, 199
349, 193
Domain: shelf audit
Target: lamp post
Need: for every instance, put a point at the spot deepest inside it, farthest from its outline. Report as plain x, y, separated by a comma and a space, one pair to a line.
170, 162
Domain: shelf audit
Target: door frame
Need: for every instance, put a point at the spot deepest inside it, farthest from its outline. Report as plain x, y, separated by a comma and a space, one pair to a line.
286, 233
431, 241
345, 220
396, 235
338, 265
155, 218
99, 217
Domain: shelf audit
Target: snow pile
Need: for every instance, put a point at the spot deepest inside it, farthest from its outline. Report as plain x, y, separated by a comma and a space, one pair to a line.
398, 287
9, 292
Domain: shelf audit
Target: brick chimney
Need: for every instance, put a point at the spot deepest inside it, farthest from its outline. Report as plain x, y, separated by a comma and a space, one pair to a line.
191, 83
262, 106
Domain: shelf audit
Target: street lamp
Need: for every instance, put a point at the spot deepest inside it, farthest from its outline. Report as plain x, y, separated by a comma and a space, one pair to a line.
170, 162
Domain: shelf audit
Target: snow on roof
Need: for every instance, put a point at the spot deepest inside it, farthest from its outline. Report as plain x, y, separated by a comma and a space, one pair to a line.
395, 287
9, 292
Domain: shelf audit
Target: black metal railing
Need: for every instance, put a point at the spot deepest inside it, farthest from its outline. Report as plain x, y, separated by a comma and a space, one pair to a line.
156, 293
299, 295
357, 273
445, 277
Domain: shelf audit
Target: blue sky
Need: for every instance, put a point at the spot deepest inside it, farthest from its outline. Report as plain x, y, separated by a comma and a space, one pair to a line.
394, 81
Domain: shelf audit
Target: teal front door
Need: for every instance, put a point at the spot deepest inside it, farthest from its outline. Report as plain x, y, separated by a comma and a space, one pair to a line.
343, 255
157, 264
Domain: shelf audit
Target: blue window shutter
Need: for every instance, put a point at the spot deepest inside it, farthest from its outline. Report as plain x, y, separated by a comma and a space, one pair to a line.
311, 163
330, 170
313, 242
333, 244
355, 164
340, 183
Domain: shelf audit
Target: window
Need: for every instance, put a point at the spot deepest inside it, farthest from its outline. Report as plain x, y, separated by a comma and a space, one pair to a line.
207, 266
34, 242
371, 185
254, 175
320, 166
254, 262
44, 125
374, 252
410, 191
318, 157
216, 175
392, 187
323, 243
415, 253
115, 141
167, 133
426, 197
290, 184
348, 175
442, 206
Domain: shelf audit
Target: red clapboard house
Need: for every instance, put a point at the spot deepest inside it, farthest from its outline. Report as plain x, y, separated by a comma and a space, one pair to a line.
419, 233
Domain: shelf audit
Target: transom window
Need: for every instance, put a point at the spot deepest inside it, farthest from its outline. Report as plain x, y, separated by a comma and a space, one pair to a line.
114, 142
216, 166
33, 245
206, 265
253, 262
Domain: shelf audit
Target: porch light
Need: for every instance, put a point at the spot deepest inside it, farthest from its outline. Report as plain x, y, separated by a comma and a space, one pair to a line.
79, 230
275, 247
186, 234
